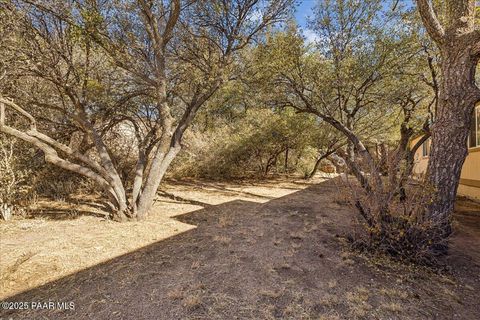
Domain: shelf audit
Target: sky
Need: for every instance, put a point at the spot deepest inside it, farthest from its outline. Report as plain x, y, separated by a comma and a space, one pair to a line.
305, 9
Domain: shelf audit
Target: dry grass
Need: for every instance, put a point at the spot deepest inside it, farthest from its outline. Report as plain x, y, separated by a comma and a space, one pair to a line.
297, 235
310, 228
192, 301
329, 300
40, 250
296, 245
394, 293
274, 294
244, 261
57, 248
332, 284
394, 307
330, 317
225, 221
357, 302
222, 239
175, 294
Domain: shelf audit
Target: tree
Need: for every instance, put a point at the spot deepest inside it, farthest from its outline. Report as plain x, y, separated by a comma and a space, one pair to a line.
367, 81
349, 80
458, 40
328, 142
169, 58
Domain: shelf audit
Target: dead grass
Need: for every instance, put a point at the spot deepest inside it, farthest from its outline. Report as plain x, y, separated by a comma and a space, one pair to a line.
225, 221
274, 294
329, 300
245, 259
394, 293
297, 235
332, 284
175, 294
57, 248
192, 301
357, 301
330, 317
222, 239
393, 307
67, 237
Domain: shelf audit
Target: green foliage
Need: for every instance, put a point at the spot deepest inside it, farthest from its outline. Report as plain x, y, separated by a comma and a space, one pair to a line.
254, 144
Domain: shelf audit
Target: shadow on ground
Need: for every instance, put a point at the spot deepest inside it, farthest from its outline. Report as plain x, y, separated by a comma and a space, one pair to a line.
69, 209
284, 259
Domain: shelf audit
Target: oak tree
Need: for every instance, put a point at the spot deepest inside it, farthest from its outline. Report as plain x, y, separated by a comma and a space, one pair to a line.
456, 32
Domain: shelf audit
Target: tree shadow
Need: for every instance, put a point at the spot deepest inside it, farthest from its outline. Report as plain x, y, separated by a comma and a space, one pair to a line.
216, 186
69, 209
62, 214
245, 260
179, 199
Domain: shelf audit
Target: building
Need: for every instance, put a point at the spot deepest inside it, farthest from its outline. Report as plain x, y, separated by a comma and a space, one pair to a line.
470, 177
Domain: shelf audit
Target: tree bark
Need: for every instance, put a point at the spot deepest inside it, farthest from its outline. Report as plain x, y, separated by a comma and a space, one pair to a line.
286, 161
459, 42
315, 167
156, 174
319, 160
457, 98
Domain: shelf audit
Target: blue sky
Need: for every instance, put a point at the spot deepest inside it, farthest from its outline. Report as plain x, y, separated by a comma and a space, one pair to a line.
304, 9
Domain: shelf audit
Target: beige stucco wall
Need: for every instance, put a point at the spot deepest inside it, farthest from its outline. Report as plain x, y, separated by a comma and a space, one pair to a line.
470, 177
469, 192
471, 167
420, 162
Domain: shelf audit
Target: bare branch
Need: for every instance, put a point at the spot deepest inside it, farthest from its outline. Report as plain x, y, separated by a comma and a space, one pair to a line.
10, 103
51, 156
473, 39
430, 20
171, 21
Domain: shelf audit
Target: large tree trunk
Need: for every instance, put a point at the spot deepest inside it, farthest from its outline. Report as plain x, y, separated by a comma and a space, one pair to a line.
450, 132
155, 177
458, 39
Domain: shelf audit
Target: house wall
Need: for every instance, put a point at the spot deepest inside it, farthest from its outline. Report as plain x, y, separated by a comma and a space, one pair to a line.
470, 177
420, 162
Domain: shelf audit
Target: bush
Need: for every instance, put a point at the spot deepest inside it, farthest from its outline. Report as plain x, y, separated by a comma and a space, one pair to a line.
398, 226
56, 183
14, 180
259, 143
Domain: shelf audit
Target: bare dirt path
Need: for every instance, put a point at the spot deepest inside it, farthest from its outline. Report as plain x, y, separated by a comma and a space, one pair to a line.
263, 257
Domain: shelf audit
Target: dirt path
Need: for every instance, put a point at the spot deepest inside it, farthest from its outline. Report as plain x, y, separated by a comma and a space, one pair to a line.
262, 257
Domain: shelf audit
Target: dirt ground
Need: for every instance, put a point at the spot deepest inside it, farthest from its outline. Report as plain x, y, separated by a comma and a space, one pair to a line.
272, 250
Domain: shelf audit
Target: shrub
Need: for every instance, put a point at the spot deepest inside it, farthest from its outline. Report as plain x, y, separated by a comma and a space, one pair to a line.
259, 143
14, 180
397, 225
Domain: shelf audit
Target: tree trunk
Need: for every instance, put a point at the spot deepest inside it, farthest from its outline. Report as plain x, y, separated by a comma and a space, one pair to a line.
458, 39
315, 167
457, 97
286, 161
159, 167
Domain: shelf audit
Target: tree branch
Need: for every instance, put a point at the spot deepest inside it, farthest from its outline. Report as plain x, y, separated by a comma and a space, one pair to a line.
47, 145
430, 20
51, 156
